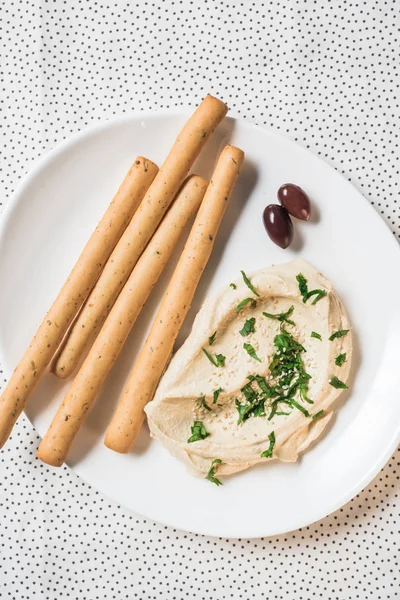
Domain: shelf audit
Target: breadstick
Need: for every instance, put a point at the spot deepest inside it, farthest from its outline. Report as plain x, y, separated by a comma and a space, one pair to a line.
74, 292
159, 196
111, 339
154, 355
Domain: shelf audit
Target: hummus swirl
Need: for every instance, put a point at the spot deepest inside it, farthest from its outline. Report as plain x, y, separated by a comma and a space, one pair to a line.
195, 389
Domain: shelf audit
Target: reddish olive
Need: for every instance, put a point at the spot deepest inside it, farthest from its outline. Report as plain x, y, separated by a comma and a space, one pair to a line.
295, 200
278, 225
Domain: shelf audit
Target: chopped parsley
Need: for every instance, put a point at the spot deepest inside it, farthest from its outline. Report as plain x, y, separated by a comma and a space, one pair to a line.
268, 453
249, 284
302, 384
218, 360
211, 473
299, 407
233, 286
289, 374
285, 343
340, 359
255, 399
303, 286
198, 432
248, 327
242, 304
282, 317
318, 415
255, 409
316, 335
336, 383
212, 337
339, 334
201, 402
318, 295
216, 394
289, 402
275, 405
250, 351
306, 295
261, 382
288, 379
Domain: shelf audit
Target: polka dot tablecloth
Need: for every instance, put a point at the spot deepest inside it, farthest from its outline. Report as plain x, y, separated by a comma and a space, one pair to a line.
324, 73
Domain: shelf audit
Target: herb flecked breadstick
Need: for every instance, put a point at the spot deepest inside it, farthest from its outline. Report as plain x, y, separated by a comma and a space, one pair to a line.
175, 168
157, 349
74, 292
112, 337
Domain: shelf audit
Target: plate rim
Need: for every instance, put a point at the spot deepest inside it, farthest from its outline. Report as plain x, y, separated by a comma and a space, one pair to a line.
43, 162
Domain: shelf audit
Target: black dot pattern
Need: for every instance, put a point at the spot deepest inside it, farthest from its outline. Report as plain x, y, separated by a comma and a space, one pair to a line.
326, 74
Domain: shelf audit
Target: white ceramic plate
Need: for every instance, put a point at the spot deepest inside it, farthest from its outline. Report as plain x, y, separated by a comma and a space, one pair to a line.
47, 224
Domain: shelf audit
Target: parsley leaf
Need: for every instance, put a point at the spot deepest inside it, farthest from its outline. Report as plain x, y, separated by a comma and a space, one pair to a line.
299, 407
249, 393
259, 409
339, 334
262, 383
340, 359
250, 350
217, 361
282, 317
201, 402
314, 334
233, 286
336, 383
211, 339
249, 284
318, 415
274, 406
216, 394
303, 288
198, 432
220, 360
286, 343
302, 383
255, 400
243, 303
248, 327
288, 371
268, 453
211, 473
318, 295
303, 285
243, 410
254, 409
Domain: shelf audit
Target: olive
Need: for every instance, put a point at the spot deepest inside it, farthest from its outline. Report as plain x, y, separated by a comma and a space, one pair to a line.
295, 200
278, 225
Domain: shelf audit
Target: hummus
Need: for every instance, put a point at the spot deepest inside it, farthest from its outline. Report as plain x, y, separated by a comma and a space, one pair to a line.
258, 375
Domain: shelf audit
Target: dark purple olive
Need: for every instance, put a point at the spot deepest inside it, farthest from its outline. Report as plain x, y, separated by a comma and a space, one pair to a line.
278, 225
295, 200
